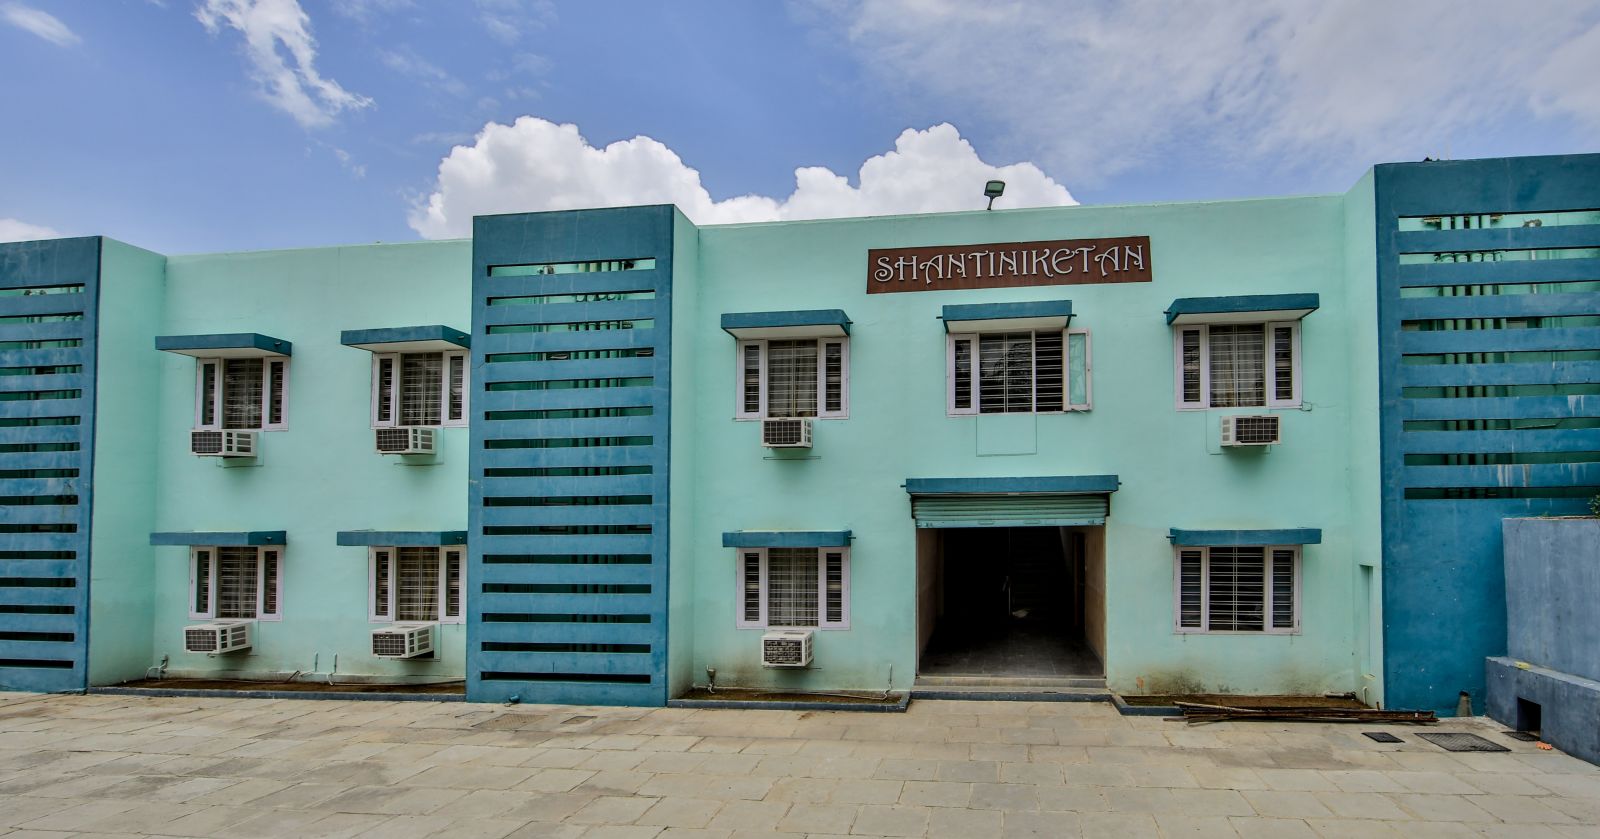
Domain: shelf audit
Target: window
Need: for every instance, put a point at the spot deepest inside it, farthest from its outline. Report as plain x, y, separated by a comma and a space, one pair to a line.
794, 588
809, 377
250, 394
1018, 372
419, 389
235, 582
415, 584
1237, 589
1237, 365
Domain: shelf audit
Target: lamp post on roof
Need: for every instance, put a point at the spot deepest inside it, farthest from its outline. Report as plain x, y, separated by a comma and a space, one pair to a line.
993, 190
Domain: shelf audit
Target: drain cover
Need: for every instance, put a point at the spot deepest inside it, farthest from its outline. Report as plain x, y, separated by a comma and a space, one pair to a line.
577, 720
1462, 742
1524, 736
1382, 737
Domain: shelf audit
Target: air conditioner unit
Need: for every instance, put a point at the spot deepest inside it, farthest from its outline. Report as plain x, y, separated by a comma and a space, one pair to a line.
789, 433
218, 637
223, 443
404, 640
405, 440
1251, 430
786, 648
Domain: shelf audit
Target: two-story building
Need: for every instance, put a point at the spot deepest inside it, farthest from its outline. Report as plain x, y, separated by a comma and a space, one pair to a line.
598, 455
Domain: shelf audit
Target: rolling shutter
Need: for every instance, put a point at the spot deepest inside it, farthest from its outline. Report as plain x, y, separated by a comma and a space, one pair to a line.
1041, 510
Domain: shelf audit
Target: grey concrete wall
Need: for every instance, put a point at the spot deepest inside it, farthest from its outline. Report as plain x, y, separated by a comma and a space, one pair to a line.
1552, 588
1569, 705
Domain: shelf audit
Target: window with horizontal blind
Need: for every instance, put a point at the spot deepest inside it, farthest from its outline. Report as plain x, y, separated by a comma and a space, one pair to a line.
808, 377
235, 582
802, 588
425, 389
415, 584
1237, 365
245, 394
1243, 588
1024, 372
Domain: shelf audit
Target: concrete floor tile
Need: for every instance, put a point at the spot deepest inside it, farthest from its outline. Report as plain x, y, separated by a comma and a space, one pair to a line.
891, 820
1286, 804
1520, 808
1442, 808
1195, 827
935, 793
818, 818
1361, 805
866, 792
1010, 797
1211, 802
950, 823
681, 812
612, 809
1040, 825
1263, 828
1118, 825
750, 815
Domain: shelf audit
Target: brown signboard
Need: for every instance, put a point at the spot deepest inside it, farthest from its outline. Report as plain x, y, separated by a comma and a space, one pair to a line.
1066, 262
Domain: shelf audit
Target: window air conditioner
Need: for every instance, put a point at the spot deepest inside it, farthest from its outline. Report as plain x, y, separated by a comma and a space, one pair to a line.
405, 440
218, 637
789, 433
223, 443
404, 640
1250, 430
786, 648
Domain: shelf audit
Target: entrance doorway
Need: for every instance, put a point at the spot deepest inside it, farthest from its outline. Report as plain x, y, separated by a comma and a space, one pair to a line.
1011, 601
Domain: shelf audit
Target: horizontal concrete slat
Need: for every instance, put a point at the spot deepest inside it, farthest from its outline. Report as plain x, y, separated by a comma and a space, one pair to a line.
1453, 442
1519, 408
1516, 373
1518, 475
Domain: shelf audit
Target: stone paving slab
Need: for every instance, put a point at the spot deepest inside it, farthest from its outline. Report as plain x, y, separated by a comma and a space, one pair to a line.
243, 768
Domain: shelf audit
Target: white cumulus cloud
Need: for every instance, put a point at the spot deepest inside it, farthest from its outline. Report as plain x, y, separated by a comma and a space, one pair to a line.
14, 230
41, 23
1093, 89
282, 53
534, 164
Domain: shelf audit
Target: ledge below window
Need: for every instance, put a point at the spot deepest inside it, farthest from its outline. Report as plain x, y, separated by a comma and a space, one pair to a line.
1050, 484
241, 538
1232, 538
231, 345
786, 539
1041, 315
1245, 308
816, 323
402, 538
407, 339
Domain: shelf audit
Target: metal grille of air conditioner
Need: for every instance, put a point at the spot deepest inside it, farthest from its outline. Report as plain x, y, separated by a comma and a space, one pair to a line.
1255, 431
404, 440
200, 640
390, 644
205, 442
786, 433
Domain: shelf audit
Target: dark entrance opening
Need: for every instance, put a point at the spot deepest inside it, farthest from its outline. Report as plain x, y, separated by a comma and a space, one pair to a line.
1530, 716
1011, 601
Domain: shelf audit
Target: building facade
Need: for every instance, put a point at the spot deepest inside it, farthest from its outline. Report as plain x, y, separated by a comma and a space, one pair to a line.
1246, 446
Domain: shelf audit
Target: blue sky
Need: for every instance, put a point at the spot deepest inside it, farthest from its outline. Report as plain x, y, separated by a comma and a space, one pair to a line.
158, 124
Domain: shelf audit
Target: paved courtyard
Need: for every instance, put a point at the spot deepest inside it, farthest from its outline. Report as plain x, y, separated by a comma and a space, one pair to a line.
114, 765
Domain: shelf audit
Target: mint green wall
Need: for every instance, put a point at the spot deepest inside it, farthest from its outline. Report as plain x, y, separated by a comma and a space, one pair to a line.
686, 381
121, 600
1366, 503
321, 475
1173, 472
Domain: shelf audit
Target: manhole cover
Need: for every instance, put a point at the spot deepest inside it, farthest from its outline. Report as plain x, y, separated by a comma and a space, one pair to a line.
1382, 737
1462, 742
577, 720
1524, 736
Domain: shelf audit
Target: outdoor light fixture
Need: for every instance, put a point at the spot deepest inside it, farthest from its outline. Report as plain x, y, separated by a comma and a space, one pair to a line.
993, 190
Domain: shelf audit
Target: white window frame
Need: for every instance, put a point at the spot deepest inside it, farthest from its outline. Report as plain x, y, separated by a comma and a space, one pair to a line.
443, 594
1205, 592
844, 378
445, 421
1067, 405
216, 396
822, 591
1269, 365
211, 582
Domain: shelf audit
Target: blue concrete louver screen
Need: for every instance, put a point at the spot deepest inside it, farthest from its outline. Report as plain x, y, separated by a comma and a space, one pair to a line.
569, 478
49, 294
1489, 325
